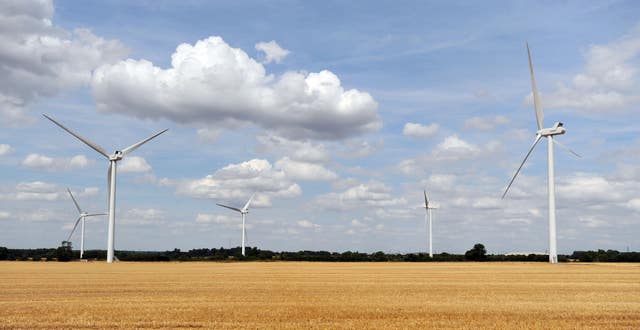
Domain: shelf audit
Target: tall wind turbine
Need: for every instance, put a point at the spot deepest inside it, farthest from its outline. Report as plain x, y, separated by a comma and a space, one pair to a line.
244, 212
547, 133
428, 219
83, 215
111, 175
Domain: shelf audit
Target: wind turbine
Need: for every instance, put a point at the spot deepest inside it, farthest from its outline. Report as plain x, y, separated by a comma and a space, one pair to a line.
83, 215
244, 212
111, 175
548, 133
428, 218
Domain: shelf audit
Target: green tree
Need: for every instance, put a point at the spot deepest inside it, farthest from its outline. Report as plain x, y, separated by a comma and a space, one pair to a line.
64, 252
478, 253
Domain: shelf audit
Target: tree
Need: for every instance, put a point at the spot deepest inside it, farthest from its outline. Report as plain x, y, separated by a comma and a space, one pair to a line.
4, 253
478, 253
64, 251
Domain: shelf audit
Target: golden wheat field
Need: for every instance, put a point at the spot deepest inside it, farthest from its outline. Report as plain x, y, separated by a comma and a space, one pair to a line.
297, 295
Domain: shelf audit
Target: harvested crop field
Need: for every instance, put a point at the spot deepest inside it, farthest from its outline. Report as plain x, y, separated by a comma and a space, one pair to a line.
296, 295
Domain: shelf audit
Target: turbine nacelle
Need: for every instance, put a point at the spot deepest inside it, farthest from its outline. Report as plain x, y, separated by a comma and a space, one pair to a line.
116, 156
557, 129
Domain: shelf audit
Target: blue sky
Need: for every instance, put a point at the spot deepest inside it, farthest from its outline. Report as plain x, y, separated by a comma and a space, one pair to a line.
336, 114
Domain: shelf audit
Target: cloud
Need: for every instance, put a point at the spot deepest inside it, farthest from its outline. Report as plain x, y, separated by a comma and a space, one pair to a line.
41, 191
305, 171
361, 148
134, 164
138, 217
486, 123
209, 135
419, 130
608, 81
5, 149
272, 51
217, 218
36, 190
39, 59
593, 222
305, 151
307, 224
236, 182
454, 148
43, 162
373, 193
634, 204
4, 215
488, 203
589, 187
211, 82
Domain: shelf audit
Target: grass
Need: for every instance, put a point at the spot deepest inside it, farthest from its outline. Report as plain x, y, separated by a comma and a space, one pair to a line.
298, 295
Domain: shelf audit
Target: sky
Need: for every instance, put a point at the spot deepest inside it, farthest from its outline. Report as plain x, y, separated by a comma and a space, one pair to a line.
335, 114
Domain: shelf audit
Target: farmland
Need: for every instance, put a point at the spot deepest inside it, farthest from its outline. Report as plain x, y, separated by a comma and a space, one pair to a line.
297, 295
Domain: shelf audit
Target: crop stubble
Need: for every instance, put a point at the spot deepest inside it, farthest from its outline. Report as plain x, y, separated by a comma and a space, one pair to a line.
297, 295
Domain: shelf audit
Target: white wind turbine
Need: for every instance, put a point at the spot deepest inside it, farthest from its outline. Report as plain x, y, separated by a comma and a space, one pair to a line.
428, 219
547, 133
244, 212
113, 159
83, 215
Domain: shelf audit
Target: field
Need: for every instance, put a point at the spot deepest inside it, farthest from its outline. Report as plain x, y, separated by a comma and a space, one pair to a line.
296, 295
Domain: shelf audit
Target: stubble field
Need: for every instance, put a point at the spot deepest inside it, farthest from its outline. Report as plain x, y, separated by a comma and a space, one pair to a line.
292, 295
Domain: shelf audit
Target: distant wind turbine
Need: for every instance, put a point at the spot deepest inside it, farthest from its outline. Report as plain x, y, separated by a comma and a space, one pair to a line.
428, 219
244, 212
111, 175
83, 215
548, 133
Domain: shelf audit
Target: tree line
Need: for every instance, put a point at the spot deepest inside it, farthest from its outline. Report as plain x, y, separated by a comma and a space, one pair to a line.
477, 253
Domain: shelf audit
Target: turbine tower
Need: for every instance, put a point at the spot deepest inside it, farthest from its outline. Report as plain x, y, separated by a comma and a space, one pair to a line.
111, 175
244, 212
428, 219
548, 133
83, 215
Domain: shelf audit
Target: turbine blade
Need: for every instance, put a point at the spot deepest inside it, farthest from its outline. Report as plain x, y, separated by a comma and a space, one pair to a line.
95, 214
92, 145
536, 99
230, 207
535, 142
246, 206
74, 201
566, 148
426, 200
74, 228
137, 145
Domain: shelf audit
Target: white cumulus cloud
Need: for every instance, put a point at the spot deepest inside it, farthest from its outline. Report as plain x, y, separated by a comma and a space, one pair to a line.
453, 148
486, 123
237, 182
39, 59
272, 51
305, 171
43, 162
420, 130
373, 193
306, 151
134, 164
212, 82
5, 149
608, 82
